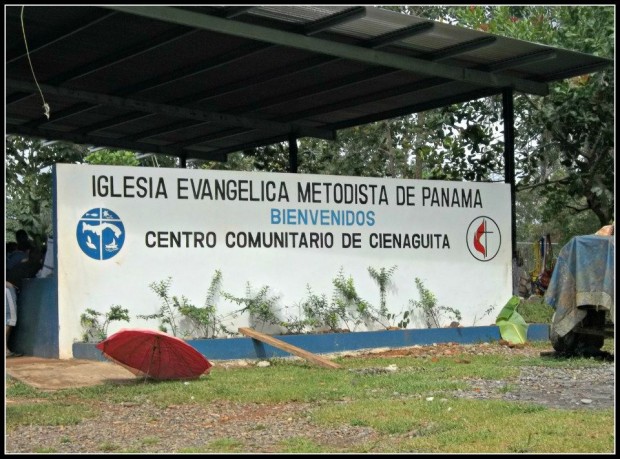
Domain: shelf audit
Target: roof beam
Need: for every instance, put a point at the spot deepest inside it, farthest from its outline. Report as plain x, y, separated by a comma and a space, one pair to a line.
517, 61
333, 20
369, 98
584, 69
107, 142
309, 92
160, 130
194, 153
55, 37
286, 71
279, 37
312, 27
116, 121
123, 55
319, 88
197, 68
170, 110
289, 70
416, 108
170, 77
461, 48
234, 11
424, 84
376, 42
399, 34
346, 103
210, 137
116, 58
270, 102
48, 41
220, 91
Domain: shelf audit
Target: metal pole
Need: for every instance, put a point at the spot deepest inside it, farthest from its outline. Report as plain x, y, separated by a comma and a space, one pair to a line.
509, 159
292, 153
509, 174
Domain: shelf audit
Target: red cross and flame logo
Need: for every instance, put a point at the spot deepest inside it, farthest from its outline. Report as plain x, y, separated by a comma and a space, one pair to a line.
483, 238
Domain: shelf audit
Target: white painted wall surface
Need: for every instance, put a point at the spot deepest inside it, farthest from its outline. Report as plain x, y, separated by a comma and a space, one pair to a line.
459, 279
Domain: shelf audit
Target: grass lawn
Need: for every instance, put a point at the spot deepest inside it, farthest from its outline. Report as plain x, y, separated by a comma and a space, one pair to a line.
395, 404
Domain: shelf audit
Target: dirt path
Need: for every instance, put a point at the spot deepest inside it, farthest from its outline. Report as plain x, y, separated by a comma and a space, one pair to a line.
54, 374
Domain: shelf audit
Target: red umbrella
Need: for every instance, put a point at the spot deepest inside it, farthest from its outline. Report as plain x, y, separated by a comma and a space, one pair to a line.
154, 354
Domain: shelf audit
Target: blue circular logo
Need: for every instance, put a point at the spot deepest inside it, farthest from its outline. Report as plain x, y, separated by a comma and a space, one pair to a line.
100, 233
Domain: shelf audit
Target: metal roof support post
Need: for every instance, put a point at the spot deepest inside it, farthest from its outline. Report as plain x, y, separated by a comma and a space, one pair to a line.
509, 172
509, 157
292, 153
183, 162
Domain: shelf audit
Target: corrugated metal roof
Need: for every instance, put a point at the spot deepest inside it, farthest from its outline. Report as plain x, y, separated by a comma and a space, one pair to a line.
203, 81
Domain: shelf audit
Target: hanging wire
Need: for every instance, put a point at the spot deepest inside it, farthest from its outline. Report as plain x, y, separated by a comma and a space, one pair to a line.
46, 107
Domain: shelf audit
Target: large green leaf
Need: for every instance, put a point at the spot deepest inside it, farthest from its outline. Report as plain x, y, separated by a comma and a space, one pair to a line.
512, 326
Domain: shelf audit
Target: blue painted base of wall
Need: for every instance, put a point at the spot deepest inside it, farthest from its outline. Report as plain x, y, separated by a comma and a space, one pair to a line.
248, 348
36, 331
87, 351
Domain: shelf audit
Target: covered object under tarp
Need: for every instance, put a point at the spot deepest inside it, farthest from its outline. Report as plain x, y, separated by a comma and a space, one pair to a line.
584, 275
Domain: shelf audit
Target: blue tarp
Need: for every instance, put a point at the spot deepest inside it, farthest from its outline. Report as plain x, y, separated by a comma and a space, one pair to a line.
583, 275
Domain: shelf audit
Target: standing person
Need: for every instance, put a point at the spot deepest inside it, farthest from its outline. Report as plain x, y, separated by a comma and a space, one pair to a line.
23, 247
11, 247
15, 275
10, 302
26, 269
15, 253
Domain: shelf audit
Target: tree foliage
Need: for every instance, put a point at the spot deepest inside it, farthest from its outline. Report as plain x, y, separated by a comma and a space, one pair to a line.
28, 173
113, 158
565, 141
110, 157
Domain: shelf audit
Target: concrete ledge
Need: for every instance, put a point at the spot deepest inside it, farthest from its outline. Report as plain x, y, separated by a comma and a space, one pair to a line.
248, 348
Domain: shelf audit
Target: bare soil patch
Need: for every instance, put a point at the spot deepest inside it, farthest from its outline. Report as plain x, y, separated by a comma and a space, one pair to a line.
55, 374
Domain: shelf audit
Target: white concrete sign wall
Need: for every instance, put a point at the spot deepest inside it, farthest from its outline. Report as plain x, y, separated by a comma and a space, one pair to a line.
119, 229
